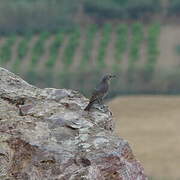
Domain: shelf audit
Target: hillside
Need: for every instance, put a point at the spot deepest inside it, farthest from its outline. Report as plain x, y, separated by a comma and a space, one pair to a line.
141, 53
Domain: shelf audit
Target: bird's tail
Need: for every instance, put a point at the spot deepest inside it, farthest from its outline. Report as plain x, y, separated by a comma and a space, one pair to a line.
87, 108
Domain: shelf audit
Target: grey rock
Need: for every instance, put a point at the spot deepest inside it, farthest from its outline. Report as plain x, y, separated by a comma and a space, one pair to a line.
46, 135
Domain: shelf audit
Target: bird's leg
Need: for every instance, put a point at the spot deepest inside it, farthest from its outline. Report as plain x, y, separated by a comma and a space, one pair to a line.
100, 101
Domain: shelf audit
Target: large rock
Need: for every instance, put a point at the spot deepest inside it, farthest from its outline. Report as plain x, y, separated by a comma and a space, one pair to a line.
46, 135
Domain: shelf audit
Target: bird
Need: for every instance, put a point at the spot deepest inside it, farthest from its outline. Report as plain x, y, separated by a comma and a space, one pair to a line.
100, 91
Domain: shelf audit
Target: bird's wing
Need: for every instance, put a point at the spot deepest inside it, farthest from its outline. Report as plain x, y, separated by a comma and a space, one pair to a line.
96, 93
98, 87
93, 97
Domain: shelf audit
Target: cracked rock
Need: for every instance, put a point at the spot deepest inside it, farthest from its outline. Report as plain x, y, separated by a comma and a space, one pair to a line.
46, 135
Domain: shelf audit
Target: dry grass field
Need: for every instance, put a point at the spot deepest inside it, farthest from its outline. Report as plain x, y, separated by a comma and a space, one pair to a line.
151, 124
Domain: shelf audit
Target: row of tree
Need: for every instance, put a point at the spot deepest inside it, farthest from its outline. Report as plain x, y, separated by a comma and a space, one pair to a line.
22, 16
130, 9
127, 40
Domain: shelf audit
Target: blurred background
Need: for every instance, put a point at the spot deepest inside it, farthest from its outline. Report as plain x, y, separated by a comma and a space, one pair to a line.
72, 43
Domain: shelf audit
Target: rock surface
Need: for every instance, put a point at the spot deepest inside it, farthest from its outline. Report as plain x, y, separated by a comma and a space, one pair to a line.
46, 135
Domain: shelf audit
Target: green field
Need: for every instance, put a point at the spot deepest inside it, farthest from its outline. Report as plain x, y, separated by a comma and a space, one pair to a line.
74, 51
62, 59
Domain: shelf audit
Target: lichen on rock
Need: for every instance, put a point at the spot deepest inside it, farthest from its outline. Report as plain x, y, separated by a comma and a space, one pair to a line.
46, 135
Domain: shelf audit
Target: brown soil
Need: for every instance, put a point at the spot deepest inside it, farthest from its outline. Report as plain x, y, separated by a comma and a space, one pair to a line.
27, 60
151, 125
45, 57
169, 39
96, 44
59, 62
109, 60
14, 53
